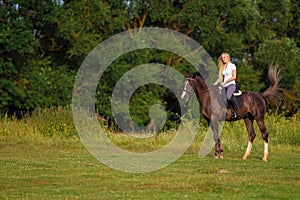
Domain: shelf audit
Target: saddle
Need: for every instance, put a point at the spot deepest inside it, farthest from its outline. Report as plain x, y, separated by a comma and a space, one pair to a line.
237, 97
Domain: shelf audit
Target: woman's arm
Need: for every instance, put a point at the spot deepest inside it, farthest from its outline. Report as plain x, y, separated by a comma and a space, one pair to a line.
231, 79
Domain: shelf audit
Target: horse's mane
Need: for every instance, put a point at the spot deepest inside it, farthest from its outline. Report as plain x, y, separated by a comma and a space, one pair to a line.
197, 74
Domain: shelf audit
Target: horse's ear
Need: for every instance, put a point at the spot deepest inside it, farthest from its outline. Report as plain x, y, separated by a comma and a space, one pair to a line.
186, 75
197, 74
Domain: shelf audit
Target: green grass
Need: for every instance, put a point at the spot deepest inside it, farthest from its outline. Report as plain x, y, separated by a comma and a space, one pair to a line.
65, 170
43, 158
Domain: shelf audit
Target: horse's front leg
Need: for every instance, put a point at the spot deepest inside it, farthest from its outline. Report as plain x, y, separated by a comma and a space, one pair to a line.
221, 150
218, 145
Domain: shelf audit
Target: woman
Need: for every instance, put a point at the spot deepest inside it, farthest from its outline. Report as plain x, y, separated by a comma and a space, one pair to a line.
227, 76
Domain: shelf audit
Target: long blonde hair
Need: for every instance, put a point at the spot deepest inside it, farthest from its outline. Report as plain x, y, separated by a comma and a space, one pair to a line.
221, 65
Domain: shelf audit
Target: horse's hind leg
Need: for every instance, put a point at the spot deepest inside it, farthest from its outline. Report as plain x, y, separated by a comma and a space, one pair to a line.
251, 136
263, 130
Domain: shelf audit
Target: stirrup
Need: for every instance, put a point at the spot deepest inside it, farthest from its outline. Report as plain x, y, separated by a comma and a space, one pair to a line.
234, 115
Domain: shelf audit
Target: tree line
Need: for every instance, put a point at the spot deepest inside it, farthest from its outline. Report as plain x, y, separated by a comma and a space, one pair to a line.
43, 44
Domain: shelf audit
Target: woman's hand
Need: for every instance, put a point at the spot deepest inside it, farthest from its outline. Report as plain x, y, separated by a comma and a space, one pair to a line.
217, 81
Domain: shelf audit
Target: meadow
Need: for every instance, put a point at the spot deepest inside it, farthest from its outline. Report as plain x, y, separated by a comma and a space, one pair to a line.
42, 157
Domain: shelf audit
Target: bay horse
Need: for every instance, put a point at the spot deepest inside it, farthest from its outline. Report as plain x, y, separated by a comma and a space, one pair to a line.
253, 108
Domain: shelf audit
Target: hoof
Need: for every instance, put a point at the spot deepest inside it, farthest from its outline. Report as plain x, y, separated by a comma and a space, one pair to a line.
245, 156
265, 160
220, 156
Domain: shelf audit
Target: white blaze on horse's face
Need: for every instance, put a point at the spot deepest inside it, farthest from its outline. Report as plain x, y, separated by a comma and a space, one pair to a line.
186, 90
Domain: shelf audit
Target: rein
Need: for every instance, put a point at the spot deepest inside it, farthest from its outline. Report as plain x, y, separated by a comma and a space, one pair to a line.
209, 90
202, 91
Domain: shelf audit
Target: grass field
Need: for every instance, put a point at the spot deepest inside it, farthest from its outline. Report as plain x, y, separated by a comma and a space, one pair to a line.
57, 166
65, 170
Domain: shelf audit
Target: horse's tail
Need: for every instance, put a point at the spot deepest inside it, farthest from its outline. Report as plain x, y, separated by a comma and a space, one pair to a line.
273, 92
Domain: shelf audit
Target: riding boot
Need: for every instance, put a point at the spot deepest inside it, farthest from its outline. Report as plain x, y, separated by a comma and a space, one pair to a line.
234, 107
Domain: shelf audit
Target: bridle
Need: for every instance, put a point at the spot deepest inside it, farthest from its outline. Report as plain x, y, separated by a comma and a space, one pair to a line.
188, 91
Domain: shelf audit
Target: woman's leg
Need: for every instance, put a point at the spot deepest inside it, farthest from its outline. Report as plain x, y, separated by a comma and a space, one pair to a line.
229, 91
233, 103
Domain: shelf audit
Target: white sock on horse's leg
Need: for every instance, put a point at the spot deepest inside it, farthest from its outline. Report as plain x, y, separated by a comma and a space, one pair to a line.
248, 150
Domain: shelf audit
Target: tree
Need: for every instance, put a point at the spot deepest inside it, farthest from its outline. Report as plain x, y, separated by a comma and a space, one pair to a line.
17, 45
29, 77
293, 30
284, 53
44, 42
278, 43
84, 24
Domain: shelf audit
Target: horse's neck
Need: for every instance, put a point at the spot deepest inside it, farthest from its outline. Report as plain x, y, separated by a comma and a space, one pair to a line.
204, 94
201, 90
201, 84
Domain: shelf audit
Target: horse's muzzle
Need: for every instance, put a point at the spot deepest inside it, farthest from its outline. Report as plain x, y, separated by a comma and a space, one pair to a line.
185, 96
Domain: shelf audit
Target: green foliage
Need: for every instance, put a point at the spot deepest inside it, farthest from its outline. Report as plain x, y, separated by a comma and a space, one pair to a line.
43, 43
84, 24
29, 79
46, 81
58, 122
79, 24
273, 18
18, 44
284, 53
249, 78
41, 124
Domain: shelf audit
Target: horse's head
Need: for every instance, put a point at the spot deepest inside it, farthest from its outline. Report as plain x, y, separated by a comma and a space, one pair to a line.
188, 88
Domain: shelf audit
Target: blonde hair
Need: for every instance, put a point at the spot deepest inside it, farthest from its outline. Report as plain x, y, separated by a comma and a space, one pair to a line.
221, 65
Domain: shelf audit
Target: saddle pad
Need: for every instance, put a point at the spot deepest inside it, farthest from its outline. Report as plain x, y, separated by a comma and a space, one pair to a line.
237, 93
